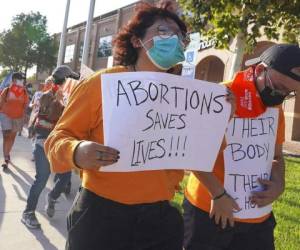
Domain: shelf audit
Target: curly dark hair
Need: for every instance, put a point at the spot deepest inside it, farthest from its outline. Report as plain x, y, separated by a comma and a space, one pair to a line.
123, 51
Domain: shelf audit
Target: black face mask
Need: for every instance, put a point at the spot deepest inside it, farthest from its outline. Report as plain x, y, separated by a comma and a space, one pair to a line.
270, 98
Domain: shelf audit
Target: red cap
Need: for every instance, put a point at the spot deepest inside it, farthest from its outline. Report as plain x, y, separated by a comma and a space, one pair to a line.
248, 101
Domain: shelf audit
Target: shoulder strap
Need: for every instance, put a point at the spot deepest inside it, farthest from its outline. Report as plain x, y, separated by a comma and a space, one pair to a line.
3, 98
6, 93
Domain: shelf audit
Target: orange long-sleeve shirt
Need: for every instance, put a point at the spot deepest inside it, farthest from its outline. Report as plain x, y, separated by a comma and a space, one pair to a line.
82, 120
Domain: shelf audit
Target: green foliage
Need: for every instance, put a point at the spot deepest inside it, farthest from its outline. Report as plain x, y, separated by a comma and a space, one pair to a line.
286, 209
27, 43
179, 195
3, 74
47, 54
225, 19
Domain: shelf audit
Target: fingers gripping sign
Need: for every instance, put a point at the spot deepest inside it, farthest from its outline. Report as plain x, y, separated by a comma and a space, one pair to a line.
92, 155
268, 194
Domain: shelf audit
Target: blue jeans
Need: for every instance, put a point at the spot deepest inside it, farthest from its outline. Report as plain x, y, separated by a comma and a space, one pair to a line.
42, 167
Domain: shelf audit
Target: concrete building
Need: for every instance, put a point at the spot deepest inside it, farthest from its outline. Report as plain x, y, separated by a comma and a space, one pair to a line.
211, 64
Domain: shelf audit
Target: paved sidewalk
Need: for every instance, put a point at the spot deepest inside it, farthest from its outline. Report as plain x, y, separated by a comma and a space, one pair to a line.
14, 187
292, 148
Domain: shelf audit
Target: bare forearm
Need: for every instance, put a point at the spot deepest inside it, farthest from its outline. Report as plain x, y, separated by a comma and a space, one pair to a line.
211, 182
278, 172
275, 186
222, 205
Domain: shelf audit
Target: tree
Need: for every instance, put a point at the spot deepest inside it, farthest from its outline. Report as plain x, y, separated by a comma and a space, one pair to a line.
3, 74
245, 20
47, 54
27, 44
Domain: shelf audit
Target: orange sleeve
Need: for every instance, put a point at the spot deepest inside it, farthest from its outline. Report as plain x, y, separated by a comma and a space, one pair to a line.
81, 115
280, 139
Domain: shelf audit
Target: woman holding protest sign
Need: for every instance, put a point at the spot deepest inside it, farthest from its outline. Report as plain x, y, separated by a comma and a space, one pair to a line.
120, 210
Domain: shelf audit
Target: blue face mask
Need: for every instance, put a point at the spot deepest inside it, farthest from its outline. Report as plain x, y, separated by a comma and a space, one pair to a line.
165, 52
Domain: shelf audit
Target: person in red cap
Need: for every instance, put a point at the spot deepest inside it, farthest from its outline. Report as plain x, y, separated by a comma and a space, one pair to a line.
13, 103
230, 208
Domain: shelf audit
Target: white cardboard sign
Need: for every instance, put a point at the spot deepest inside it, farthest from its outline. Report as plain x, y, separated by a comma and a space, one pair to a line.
248, 156
163, 121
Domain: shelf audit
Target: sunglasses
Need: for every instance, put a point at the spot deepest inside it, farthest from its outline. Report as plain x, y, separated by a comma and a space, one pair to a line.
289, 95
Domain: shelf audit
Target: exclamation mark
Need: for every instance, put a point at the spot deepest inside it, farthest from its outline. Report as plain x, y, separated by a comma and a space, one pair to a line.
178, 140
171, 146
184, 145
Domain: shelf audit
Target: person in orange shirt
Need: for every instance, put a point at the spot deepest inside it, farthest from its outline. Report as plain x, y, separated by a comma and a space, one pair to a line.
230, 208
120, 210
13, 103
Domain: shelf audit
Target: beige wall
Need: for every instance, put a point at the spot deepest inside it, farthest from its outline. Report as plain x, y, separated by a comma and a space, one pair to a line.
292, 115
296, 120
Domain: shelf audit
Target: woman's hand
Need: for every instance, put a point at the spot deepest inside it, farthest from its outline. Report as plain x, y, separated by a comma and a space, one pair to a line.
222, 209
230, 97
92, 155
